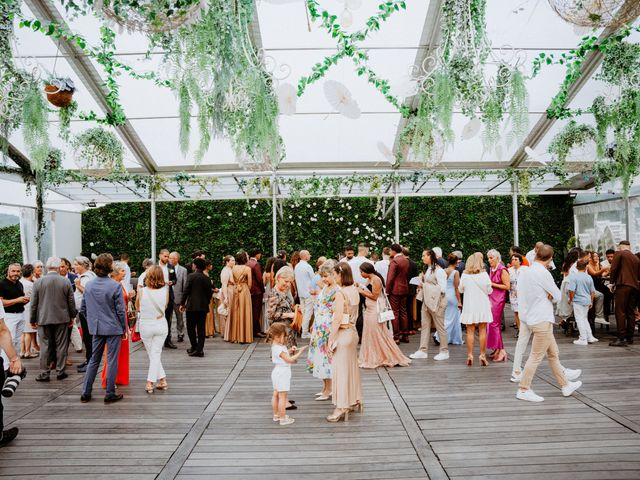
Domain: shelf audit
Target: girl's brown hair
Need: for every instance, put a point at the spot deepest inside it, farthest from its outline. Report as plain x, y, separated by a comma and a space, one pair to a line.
155, 278
276, 330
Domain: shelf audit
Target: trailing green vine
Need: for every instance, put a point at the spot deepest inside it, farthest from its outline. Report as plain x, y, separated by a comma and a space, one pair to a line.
348, 47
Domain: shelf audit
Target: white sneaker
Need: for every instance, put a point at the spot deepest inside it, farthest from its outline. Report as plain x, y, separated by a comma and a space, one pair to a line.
593, 340
572, 387
602, 321
529, 396
516, 377
287, 420
572, 374
442, 356
306, 336
580, 342
418, 354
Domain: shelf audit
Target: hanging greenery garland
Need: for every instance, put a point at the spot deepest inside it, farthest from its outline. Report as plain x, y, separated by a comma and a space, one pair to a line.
617, 131
348, 47
97, 148
214, 68
458, 78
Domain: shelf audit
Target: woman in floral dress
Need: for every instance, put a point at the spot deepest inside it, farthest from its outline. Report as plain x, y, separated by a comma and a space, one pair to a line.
318, 360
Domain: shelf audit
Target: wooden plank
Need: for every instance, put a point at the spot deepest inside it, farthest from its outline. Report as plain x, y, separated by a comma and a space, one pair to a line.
181, 454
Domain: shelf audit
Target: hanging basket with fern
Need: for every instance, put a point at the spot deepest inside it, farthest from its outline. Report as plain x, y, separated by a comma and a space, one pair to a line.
59, 91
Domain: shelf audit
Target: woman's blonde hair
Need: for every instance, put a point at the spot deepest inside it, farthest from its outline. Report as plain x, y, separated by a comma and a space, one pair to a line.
285, 272
155, 278
474, 264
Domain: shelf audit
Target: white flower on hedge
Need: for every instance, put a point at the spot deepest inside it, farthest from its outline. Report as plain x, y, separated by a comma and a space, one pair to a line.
355, 216
91, 244
291, 223
244, 214
341, 219
299, 224
208, 217
230, 214
254, 205
453, 245
324, 211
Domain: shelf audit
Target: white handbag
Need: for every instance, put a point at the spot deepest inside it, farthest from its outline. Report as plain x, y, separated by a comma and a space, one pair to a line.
223, 310
385, 315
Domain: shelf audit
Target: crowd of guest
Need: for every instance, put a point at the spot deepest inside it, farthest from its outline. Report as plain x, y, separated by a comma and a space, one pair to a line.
331, 305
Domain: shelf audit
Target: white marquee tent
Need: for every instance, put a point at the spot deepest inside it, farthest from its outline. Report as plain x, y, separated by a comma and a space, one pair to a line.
318, 139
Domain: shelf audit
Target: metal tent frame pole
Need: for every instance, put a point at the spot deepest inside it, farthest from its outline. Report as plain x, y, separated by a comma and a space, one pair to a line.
153, 225
396, 212
627, 216
516, 220
274, 214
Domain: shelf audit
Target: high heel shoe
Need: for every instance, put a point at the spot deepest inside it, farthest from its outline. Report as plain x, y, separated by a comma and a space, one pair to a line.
163, 386
343, 415
148, 388
470, 360
359, 407
502, 358
483, 360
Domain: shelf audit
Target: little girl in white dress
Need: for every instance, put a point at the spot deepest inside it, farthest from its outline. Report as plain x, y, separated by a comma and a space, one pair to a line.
281, 374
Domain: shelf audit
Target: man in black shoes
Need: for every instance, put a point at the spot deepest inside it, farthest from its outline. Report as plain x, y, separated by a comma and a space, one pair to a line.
195, 301
15, 367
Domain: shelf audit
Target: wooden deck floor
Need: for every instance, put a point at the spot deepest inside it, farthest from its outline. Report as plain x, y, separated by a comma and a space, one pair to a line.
430, 420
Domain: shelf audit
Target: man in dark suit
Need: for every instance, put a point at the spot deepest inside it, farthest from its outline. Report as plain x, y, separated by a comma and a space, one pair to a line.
257, 290
397, 290
195, 301
413, 289
52, 311
625, 273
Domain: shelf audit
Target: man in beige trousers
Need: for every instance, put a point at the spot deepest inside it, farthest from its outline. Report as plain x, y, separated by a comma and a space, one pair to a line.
537, 292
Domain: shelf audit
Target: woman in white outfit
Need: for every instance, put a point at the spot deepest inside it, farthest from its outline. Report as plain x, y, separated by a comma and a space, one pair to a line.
151, 304
476, 308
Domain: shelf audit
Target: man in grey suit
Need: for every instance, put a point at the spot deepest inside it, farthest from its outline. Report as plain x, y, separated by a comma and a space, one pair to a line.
52, 312
178, 292
103, 307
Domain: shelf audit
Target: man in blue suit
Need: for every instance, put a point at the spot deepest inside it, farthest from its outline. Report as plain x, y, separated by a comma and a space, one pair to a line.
103, 307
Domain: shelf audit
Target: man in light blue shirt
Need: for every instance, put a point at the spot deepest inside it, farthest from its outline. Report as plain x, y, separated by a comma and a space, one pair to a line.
304, 284
582, 293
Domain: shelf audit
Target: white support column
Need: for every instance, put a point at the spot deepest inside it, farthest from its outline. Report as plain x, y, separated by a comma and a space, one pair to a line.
274, 214
153, 224
397, 212
516, 223
627, 216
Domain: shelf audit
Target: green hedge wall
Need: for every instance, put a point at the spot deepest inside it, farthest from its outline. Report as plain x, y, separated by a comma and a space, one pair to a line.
324, 226
10, 248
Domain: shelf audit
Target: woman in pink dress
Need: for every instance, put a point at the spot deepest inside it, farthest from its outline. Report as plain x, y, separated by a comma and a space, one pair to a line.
378, 348
500, 284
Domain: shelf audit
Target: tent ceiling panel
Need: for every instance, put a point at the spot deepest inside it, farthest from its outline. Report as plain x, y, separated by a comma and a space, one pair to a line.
402, 29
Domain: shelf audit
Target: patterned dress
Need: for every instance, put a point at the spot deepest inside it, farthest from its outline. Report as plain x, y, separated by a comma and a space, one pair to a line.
318, 362
278, 304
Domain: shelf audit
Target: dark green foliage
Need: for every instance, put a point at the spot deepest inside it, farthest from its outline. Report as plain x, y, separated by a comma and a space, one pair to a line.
10, 248
468, 222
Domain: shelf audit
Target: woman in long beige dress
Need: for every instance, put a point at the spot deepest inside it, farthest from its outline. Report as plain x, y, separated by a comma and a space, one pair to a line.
346, 389
226, 293
377, 348
240, 313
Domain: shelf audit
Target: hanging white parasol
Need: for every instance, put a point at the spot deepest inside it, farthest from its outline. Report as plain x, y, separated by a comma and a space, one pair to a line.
287, 99
340, 98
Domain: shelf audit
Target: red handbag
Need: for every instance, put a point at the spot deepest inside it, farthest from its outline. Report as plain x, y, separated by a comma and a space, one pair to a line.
135, 334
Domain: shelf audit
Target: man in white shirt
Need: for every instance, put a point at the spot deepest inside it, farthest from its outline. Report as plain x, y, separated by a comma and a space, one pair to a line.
305, 286
82, 266
382, 267
531, 256
355, 262
537, 292
126, 281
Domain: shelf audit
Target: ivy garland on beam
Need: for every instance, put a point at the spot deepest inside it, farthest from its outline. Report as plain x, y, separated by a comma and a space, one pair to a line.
348, 48
617, 117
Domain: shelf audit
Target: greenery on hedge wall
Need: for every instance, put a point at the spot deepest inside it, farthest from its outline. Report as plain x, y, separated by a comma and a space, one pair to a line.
324, 226
10, 248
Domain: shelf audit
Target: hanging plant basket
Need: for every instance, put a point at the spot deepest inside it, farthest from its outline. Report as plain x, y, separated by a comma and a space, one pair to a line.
59, 92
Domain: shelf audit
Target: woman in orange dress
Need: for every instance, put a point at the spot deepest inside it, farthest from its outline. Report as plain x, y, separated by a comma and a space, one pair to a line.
122, 378
240, 313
